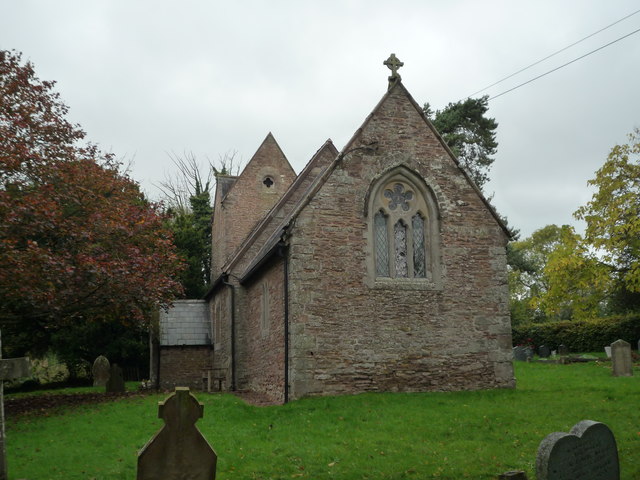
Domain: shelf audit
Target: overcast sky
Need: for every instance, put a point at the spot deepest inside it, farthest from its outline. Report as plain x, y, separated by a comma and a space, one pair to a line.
149, 78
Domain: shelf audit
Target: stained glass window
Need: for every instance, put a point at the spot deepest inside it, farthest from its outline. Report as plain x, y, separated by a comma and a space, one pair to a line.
403, 219
381, 245
398, 197
419, 264
400, 237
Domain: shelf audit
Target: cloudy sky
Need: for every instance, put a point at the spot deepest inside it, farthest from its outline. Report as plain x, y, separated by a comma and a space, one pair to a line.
149, 78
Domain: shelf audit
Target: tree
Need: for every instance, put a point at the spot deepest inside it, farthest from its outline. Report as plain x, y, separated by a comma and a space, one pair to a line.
613, 220
188, 198
577, 283
78, 241
470, 135
527, 260
600, 273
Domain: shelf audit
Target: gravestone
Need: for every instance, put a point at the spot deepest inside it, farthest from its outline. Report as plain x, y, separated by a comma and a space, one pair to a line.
519, 354
607, 351
544, 351
101, 371
621, 359
178, 450
115, 384
522, 354
563, 350
10, 369
588, 452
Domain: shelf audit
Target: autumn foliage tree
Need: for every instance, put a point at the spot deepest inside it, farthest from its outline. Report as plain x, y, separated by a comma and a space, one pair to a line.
598, 273
79, 242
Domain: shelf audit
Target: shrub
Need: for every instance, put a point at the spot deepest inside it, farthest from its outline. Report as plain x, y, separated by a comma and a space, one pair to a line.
580, 336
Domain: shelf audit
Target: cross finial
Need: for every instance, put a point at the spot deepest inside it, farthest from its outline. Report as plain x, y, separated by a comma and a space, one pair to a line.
393, 64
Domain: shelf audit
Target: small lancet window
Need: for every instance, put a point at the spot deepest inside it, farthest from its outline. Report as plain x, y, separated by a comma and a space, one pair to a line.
419, 264
400, 237
268, 182
381, 245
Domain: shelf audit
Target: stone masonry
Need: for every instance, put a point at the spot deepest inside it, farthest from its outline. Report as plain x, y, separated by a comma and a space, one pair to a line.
298, 304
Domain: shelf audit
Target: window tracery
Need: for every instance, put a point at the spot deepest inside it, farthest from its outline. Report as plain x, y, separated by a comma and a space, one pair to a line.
404, 228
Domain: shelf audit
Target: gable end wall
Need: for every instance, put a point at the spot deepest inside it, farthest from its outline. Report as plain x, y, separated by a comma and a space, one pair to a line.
348, 336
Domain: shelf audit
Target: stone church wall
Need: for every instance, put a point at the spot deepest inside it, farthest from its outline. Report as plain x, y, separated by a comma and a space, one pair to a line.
352, 334
261, 363
185, 366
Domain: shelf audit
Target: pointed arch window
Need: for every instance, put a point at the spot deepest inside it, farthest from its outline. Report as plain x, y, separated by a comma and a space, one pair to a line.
404, 228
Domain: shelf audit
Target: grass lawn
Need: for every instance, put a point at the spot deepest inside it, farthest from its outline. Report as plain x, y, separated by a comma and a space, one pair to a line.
475, 435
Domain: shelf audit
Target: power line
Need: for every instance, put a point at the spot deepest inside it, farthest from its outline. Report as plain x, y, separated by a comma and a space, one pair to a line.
564, 65
552, 55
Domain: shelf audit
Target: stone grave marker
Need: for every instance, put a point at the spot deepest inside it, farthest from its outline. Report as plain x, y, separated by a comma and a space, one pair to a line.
588, 452
544, 351
607, 351
563, 350
621, 359
101, 371
178, 450
115, 384
522, 354
10, 369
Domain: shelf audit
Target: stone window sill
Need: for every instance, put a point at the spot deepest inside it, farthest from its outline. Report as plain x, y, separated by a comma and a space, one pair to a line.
405, 284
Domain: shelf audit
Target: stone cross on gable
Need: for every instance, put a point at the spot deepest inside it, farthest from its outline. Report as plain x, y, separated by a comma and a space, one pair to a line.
394, 64
10, 369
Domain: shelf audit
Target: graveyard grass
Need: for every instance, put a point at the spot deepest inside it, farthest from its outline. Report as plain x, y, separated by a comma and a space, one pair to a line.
475, 435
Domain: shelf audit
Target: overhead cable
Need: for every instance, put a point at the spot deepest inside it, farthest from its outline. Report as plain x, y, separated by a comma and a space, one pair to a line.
564, 65
553, 54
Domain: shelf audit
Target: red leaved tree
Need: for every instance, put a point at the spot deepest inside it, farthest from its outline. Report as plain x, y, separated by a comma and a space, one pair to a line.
78, 240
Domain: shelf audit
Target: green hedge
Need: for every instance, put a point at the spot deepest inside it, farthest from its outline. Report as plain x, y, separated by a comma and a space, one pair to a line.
580, 336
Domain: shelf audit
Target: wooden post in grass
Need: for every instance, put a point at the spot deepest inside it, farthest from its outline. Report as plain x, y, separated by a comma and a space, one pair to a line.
10, 369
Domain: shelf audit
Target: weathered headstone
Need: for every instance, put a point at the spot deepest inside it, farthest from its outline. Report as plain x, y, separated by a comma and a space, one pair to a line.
178, 450
10, 369
519, 354
115, 384
101, 371
563, 350
544, 351
607, 351
588, 452
621, 359
522, 354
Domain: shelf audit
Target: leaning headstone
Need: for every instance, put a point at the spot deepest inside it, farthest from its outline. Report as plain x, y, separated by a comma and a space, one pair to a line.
520, 353
115, 384
178, 450
621, 359
100, 371
544, 351
588, 452
10, 369
563, 350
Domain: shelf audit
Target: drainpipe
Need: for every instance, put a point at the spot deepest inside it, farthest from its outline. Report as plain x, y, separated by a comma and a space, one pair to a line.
225, 279
282, 253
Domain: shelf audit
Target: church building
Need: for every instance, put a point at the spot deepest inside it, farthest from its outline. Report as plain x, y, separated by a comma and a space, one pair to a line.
380, 267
